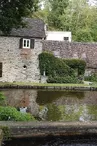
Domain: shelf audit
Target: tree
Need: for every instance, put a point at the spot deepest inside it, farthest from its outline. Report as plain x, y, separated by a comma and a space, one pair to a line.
81, 20
57, 10
12, 12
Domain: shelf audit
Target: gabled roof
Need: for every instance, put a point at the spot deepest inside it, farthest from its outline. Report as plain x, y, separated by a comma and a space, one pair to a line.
34, 28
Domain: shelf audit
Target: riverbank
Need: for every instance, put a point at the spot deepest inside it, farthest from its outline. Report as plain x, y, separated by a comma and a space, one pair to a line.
85, 87
42, 129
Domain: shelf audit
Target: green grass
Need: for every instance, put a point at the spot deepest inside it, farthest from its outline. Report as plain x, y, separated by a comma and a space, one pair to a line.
44, 84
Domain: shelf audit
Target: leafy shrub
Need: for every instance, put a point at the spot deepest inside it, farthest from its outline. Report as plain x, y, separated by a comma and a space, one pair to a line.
53, 66
91, 78
11, 113
76, 64
67, 79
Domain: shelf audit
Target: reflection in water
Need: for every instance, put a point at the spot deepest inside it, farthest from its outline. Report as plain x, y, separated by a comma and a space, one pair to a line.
56, 141
45, 96
65, 113
55, 105
20, 98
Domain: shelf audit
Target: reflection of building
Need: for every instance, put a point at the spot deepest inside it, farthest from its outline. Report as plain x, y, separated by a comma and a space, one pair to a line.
58, 36
22, 98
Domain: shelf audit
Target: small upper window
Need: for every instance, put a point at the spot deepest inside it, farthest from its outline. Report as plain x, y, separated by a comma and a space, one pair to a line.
66, 38
26, 43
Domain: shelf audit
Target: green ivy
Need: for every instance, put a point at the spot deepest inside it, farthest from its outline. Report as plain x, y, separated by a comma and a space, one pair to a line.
53, 66
77, 64
61, 70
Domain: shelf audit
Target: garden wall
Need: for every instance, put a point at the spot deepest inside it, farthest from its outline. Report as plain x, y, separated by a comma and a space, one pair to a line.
85, 51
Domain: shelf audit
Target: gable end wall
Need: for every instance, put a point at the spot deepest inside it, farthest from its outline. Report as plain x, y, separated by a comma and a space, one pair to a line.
20, 65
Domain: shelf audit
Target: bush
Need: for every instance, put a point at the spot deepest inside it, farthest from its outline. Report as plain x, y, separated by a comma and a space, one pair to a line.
11, 113
66, 79
76, 64
92, 78
53, 66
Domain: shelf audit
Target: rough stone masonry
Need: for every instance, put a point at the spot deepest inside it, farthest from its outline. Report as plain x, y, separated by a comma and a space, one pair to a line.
85, 51
20, 65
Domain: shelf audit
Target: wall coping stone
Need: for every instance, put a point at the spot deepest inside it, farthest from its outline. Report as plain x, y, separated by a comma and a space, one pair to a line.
41, 129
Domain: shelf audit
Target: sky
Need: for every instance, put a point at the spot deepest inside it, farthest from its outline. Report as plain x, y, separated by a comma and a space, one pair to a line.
92, 2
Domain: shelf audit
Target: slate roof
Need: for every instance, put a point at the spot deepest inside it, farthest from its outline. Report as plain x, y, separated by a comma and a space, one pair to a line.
34, 29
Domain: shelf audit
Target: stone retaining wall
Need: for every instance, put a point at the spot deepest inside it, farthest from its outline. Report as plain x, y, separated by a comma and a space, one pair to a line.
82, 88
37, 129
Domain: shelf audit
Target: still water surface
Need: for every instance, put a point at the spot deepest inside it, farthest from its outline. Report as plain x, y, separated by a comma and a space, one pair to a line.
49, 105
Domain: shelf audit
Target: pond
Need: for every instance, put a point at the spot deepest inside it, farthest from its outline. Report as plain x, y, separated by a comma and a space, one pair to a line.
89, 140
55, 105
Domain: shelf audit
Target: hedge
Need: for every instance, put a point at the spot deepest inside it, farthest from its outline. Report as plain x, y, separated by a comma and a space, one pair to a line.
61, 70
53, 66
76, 64
66, 79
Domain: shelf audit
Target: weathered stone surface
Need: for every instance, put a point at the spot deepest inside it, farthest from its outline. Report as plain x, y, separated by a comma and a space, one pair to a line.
85, 51
31, 129
15, 59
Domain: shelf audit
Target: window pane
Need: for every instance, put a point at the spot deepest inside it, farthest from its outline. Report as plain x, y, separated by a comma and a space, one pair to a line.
0, 69
66, 38
28, 43
24, 43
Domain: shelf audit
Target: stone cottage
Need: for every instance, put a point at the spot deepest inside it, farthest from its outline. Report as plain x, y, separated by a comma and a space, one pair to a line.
19, 52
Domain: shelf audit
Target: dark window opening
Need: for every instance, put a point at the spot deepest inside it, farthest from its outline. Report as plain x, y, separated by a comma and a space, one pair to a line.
24, 66
0, 69
66, 39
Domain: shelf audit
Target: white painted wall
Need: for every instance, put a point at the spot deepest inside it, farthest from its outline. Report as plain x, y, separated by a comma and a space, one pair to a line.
58, 35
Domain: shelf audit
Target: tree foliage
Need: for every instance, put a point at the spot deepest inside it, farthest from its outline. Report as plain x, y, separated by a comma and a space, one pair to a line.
12, 12
56, 11
76, 16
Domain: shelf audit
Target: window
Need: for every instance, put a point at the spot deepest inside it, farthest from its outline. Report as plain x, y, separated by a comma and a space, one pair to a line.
66, 39
0, 69
26, 43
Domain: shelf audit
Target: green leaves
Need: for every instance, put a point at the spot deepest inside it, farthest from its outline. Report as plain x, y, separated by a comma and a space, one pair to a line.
53, 66
61, 70
11, 113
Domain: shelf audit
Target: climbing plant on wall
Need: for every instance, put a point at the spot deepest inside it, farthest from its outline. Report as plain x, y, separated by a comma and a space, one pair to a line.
53, 66
76, 64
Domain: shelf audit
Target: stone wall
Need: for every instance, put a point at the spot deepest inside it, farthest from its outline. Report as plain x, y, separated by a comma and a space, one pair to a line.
85, 51
21, 65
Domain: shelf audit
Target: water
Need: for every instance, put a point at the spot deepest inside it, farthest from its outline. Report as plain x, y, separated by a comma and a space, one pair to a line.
90, 140
49, 105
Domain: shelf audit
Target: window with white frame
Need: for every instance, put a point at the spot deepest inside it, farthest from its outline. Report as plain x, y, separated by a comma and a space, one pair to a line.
26, 43
66, 38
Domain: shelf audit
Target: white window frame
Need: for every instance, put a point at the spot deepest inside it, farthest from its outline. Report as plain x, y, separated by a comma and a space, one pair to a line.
27, 40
